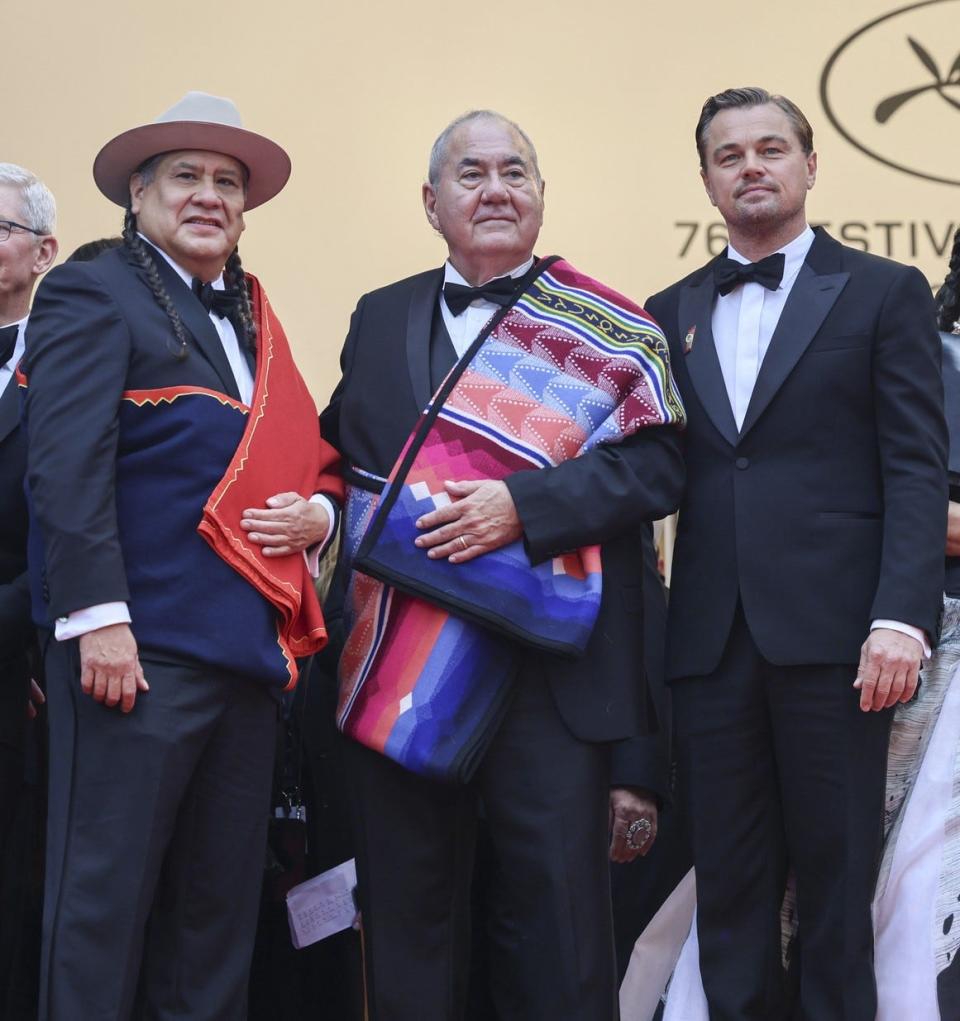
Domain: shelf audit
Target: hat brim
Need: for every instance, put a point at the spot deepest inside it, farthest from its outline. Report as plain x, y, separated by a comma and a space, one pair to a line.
268, 164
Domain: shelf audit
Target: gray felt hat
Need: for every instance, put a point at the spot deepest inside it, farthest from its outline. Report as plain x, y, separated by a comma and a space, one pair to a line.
198, 121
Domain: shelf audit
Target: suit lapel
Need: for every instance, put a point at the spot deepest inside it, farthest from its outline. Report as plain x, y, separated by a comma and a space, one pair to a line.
197, 322
703, 365
423, 303
817, 287
9, 409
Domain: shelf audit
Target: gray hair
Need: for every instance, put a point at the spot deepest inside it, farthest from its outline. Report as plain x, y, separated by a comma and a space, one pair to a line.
438, 153
39, 205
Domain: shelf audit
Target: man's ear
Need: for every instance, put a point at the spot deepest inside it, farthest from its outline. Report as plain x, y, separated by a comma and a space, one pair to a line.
46, 253
136, 192
430, 205
706, 186
811, 170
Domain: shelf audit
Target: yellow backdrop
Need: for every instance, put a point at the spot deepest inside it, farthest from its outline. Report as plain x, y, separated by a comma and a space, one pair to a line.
609, 92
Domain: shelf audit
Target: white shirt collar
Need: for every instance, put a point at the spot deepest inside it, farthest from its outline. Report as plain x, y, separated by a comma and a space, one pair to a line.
186, 277
794, 253
453, 275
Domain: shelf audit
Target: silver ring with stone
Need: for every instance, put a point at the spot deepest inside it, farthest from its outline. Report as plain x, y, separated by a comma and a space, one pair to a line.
644, 828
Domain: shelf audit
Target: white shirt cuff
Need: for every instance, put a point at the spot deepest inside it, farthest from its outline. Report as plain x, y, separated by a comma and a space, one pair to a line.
93, 617
313, 553
906, 629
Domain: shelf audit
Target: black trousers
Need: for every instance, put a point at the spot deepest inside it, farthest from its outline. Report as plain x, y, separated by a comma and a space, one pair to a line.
781, 767
156, 843
14, 692
544, 796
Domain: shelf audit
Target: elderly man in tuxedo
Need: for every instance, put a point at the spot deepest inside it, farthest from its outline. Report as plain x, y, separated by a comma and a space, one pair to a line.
808, 569
526, 417
28, 247
173, 458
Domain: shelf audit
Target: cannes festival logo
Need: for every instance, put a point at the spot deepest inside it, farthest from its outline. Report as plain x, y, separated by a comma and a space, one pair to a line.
892, 89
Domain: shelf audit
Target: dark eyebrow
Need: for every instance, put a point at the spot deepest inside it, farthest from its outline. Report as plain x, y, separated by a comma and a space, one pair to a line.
472, 161
195, 167
733, 146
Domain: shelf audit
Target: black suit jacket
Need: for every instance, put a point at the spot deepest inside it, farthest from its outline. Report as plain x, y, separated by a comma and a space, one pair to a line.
95, 331
828, 509
16, 629
603, 497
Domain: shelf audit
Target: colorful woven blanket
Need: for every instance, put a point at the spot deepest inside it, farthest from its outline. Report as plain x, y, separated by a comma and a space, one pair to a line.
432, 647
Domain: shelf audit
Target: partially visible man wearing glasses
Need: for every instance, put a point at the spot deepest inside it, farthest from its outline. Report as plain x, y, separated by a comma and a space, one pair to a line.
27, 250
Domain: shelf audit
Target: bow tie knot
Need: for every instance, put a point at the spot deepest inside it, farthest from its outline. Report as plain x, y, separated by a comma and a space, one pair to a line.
768, 272
8, 342
459, 296
221, 303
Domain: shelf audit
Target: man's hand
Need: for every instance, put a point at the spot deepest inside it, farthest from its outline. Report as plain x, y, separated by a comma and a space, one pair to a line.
35, 699
291, 524
633, 822
953, 529
480, 519
109, 666
888, 670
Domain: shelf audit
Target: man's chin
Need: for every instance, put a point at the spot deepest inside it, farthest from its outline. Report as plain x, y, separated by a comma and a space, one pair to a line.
202, 250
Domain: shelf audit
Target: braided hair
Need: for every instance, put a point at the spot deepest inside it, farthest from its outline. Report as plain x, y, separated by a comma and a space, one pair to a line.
948, 297
233, 276
141, 257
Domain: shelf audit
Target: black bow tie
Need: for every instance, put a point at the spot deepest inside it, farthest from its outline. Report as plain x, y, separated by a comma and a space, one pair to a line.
499, 291
8, 341
221, 303
768, 272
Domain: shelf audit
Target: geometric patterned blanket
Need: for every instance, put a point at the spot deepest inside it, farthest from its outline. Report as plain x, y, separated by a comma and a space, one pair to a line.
432, 646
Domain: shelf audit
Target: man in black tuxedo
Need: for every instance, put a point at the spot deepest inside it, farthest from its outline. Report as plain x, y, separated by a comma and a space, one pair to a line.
544, 781
810, 541
27, 250
170, 653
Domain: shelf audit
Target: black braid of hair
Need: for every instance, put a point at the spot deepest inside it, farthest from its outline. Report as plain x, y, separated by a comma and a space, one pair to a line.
142, 258
233, 276
948, 297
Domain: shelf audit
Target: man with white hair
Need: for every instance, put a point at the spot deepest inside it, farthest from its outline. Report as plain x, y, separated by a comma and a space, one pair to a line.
173, 454
28, 216
525, 416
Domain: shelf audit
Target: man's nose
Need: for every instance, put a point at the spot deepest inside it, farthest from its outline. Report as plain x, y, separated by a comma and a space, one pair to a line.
494, 190
206, 193
752, 164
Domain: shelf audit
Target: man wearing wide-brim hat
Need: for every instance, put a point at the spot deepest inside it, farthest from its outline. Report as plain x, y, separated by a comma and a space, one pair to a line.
176, 473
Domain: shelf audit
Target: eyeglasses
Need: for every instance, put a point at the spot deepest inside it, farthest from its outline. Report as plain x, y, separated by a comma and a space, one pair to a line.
8, 225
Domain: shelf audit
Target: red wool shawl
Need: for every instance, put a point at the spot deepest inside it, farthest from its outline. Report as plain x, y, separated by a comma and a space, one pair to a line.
280, 451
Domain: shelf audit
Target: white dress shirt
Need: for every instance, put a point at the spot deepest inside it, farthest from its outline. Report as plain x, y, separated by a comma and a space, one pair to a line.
743, 323
463, 329
228, 335
8, 370
104, 614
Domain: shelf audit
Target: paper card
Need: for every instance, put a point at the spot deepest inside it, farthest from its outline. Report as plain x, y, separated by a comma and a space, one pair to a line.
323, 905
